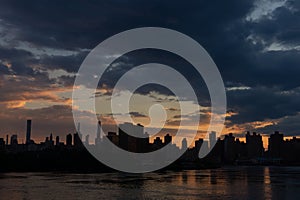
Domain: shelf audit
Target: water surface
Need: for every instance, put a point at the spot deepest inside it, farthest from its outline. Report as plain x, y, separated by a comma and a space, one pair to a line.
223, 183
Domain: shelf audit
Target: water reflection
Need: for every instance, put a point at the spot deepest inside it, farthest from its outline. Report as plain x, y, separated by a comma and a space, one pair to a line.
267, 184
225, 183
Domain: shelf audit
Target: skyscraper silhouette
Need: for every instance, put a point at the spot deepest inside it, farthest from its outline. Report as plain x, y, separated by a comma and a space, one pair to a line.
14, 140
157, 143
184, 144
87, 139
51, 137
57, 140
78, 131
276, 144
167, 139
113, 137
132, 143
2, 143
98, 136
254, 145
198, 144
77, 140
229, 148
69, 140
212, 139
28, 131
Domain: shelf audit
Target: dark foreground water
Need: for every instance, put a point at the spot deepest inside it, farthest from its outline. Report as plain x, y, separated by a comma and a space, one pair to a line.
224, 183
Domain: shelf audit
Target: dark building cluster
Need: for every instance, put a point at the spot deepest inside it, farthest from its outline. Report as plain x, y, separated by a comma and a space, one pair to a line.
279, 151
229, 150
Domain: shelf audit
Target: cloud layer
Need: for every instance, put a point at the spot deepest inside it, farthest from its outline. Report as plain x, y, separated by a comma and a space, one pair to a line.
255, 44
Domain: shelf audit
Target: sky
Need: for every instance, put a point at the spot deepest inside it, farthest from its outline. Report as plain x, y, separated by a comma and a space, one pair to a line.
255, 44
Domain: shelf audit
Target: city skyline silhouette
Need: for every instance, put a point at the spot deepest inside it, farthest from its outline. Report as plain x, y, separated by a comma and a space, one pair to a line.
229, 150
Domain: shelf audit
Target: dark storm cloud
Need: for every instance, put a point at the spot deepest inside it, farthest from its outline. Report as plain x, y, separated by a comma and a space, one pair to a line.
12, 90
135, 58
3, 69
282, 26
263, 103
239, 47
66, 81
17, 59
68, 63
83, 24
137, 114
289, 126
278, 68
